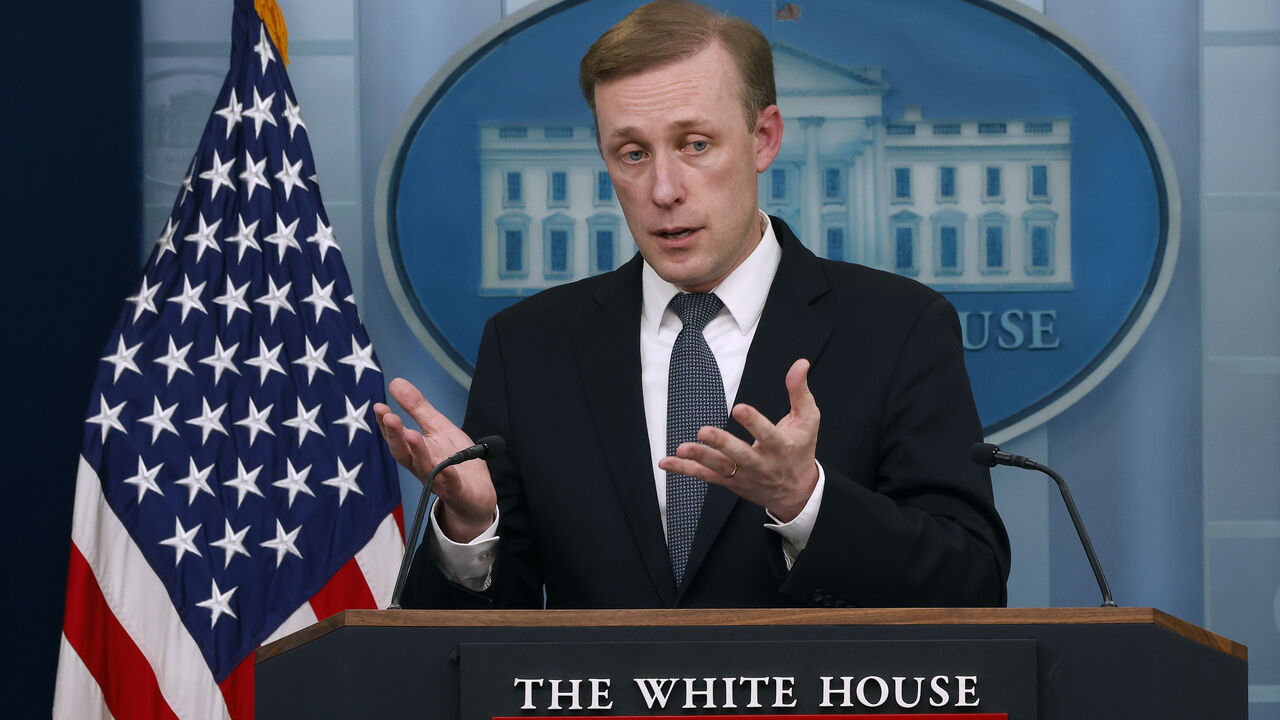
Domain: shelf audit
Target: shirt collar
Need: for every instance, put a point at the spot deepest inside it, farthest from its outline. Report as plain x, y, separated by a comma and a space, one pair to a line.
743, 291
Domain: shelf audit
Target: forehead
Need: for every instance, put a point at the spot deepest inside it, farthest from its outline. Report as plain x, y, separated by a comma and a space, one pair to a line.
703, 87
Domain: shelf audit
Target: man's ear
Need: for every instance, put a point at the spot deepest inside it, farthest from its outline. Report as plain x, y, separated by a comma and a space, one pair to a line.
768, 136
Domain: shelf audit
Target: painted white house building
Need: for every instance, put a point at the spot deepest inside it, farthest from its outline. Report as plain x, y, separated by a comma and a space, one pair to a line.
977, 204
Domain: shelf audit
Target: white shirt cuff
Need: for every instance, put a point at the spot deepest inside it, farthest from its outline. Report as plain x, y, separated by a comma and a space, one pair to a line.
795, 534
468, 564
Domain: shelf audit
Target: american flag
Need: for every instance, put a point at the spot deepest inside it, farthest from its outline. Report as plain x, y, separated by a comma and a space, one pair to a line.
233, 486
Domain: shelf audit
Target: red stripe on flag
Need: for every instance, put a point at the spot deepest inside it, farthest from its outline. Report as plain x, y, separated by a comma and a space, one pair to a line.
127, 680
237, 690
346, 589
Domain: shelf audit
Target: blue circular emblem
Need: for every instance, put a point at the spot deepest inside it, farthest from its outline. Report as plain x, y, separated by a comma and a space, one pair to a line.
970, 144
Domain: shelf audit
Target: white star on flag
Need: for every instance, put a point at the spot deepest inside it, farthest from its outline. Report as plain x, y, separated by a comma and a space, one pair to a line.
289, 175
283, 543
219, 603
261, 112
160, 420
253, 176
176, 359
189, 299
321, 298
360, 359
245, 482
266, 361
145, 299
256, 421
295, 481
208, 420
283, 237
145, 479
354, 420
265, 53
109, 417
187, 188
231, 113
313, 360
203, 238
196, 481
219, 174
345, 481
323, 239
232, 299
220, 359
305, 422
165, 242
122, 359
245, 237
183, 541
293, 114
276, 298
232, 543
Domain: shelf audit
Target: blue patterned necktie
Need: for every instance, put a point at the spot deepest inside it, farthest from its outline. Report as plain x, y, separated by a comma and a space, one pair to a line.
695, 397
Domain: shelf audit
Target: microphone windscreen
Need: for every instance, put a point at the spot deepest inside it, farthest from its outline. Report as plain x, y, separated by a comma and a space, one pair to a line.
984, 454
494, 445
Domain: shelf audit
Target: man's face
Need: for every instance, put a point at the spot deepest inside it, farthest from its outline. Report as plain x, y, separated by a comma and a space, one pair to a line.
684, 165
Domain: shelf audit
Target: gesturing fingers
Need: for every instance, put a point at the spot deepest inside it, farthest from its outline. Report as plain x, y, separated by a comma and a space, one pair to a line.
761, 428
406, 445
708, 459
466, 494
393, 431
778, 469
803, 406
416, 405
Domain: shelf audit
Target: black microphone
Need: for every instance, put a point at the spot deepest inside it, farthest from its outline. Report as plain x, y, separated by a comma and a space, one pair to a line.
488, 446
989, 455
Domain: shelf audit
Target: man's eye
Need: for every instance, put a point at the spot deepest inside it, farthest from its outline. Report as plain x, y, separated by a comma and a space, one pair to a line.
698, 145
634, 155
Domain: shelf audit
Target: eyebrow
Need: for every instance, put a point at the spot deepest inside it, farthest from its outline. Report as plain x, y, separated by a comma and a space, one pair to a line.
680, 124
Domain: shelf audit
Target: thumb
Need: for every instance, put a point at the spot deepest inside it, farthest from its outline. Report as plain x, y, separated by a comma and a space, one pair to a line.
802, 403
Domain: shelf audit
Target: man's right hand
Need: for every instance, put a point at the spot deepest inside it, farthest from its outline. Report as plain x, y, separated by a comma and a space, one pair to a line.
468, 502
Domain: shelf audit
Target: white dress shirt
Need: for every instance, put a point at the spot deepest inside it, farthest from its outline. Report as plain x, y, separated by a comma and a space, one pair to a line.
729, 335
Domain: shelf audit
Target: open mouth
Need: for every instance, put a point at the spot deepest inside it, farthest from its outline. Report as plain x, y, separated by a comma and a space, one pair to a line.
675, 234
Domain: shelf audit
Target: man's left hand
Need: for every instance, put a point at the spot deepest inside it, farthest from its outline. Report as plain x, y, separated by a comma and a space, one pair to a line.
778, 471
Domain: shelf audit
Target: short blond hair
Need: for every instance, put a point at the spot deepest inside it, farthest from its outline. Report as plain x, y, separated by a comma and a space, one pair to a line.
667, 31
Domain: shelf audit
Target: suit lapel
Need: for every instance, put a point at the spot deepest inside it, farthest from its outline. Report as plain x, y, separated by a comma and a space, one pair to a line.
608, 353
790, 328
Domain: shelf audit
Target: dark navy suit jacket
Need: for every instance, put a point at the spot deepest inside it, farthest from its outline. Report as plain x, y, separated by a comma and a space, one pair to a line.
906, 519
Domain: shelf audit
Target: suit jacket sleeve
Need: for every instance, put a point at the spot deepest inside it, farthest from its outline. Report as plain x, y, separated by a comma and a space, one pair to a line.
906, 519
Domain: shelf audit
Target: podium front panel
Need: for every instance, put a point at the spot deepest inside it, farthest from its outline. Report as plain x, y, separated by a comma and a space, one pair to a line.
1079, 670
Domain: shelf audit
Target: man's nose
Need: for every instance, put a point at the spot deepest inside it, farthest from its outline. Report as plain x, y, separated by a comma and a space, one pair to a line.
668, 180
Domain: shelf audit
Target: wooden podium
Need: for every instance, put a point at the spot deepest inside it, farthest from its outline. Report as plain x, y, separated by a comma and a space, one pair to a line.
1047, 664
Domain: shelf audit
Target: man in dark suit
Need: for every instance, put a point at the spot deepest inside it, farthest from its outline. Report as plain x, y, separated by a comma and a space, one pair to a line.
842, 476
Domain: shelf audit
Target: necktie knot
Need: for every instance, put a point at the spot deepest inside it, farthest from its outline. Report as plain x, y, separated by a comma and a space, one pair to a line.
695, 310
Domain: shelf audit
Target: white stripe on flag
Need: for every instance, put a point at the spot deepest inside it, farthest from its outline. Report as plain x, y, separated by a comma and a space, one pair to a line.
76, 695
139, 602
303, 617
380, 561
